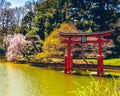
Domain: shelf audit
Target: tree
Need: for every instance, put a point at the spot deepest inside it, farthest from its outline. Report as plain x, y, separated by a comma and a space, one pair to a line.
105, 13
19, 13
52, 46
27, 20
44, 17
35, 39
14, 45
91, 15
116, 39
19, 46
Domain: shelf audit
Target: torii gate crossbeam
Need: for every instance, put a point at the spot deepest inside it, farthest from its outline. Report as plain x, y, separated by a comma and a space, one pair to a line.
99, 35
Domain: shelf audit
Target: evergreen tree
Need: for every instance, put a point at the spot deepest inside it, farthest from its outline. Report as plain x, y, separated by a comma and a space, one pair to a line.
116, 38
104, 13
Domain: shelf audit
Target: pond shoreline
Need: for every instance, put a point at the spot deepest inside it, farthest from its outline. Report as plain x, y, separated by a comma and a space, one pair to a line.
39, 64
76, 67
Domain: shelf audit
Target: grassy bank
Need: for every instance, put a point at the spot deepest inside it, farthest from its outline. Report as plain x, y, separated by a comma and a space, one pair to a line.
113, 61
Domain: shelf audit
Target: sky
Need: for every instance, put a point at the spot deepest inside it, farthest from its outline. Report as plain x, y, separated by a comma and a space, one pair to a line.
17, 3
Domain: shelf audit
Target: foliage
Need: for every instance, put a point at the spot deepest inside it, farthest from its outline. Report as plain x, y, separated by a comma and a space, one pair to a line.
10, 18
41, 20
27, 21
18, 46
36, 43
2, 51
116, 39
43, 16
52, 46
97, 15
90, 15
82, 51
98, 88
43, 57
15, 46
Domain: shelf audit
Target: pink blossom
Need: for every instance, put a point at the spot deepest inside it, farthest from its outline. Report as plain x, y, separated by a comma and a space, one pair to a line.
15, 46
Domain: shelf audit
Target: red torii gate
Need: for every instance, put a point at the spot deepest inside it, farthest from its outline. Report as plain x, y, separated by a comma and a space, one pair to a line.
84, 35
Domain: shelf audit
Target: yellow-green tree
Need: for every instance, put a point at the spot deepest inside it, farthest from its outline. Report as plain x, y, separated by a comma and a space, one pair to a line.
52, 46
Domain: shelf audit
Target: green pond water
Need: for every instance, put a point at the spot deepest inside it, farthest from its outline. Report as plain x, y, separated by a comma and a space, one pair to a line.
26, 80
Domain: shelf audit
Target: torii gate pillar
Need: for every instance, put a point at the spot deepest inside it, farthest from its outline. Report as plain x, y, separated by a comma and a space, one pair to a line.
68, 59
100, 58
69, 41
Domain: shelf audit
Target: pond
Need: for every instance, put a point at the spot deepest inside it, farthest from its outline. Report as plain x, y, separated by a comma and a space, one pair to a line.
26, 80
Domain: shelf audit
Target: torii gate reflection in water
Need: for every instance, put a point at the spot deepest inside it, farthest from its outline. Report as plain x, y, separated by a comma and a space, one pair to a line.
84, 39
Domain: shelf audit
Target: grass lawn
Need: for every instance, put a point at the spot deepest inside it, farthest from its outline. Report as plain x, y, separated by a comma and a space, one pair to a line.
114, 61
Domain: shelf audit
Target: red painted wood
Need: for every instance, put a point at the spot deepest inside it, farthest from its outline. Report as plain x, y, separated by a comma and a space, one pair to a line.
100, 66
99, 41
99, 46
69, 56
71, 63
73, 35
66, 64
89, 41
100, 58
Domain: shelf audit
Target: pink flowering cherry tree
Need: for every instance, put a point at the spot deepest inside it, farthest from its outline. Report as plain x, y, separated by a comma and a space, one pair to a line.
15, 46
